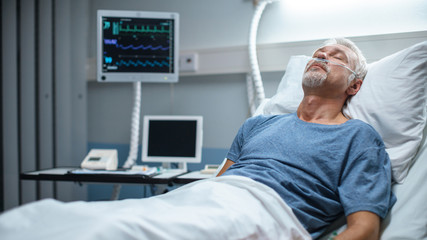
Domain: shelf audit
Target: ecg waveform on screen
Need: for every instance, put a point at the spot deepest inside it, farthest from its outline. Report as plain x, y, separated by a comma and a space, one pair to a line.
132, 47
146, 63
137, 45
118, 28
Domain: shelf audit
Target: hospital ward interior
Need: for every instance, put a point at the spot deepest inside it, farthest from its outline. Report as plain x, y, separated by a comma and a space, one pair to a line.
190, 119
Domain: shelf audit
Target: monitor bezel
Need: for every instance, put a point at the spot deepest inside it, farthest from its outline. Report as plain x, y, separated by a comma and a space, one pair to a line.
135, 76
199, 139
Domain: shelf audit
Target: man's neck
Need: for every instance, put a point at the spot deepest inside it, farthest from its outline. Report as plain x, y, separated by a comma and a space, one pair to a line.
320, 110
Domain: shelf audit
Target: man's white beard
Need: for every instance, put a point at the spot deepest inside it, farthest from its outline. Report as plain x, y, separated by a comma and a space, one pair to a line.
313, 79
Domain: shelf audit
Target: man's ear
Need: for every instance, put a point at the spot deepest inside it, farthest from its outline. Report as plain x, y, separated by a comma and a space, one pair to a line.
354, 87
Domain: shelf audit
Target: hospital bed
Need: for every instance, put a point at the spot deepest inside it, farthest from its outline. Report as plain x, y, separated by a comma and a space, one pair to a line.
392, 100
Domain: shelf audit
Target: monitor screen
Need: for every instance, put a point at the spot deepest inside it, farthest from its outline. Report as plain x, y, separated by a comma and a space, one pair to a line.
172, 139
137, 46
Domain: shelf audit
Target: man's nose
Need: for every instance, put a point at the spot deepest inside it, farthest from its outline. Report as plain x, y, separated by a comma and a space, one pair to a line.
322, 55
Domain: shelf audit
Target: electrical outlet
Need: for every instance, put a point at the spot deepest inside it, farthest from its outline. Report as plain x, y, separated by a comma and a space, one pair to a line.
188, 62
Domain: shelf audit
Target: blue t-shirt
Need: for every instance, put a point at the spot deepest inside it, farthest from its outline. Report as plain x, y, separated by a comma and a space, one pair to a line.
320, 171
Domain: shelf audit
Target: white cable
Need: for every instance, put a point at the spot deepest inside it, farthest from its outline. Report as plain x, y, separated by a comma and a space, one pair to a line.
256, 75
172, 97
133, 150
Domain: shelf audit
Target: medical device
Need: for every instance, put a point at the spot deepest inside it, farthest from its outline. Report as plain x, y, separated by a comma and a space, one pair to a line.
100, 159
210, 169
169, 139
137, 46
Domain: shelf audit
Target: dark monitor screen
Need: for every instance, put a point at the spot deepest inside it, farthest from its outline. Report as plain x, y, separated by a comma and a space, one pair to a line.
172, 138
137, 45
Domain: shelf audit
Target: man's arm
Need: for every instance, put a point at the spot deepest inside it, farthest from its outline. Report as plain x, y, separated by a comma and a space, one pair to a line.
361, 225
227, 164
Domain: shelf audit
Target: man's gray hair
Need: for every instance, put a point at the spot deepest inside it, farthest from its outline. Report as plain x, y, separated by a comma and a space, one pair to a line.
361, 67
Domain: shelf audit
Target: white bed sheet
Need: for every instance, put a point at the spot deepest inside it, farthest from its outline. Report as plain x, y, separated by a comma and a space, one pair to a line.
232, 207
237, 207
408, 217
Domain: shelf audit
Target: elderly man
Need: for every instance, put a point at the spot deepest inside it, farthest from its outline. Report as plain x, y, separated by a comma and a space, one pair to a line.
320, 162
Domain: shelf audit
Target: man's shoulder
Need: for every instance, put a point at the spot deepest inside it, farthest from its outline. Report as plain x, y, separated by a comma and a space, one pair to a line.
366, 131
362, 125
267, 119
264, 117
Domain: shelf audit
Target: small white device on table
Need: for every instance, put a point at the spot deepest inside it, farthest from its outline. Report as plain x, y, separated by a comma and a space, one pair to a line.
209, 169
100, 159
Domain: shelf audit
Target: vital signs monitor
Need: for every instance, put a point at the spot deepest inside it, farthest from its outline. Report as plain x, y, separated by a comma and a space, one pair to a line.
137, 46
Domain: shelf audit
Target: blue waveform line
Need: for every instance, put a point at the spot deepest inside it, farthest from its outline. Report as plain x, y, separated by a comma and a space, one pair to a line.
114, 42
144, 64
143, 47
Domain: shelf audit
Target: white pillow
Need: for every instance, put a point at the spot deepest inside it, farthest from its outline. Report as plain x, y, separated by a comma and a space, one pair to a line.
392, 99
289, 93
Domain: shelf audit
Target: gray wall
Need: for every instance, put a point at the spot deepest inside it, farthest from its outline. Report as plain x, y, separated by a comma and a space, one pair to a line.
220, 99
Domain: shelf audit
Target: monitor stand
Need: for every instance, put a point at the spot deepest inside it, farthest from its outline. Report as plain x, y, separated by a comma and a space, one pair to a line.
171, 172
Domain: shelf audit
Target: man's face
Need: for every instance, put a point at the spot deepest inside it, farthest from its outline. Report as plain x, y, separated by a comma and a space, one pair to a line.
319, 73
315, 74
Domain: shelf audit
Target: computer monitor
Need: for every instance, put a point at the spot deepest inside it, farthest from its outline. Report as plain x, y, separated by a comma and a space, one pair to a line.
137, 46
172, 139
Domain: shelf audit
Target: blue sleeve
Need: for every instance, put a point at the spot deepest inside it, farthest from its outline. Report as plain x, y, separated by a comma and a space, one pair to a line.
366, 183
236, 147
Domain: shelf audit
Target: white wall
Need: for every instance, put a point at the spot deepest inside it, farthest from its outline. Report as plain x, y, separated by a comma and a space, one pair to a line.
204, 23
218, 30
225, 23
301, 20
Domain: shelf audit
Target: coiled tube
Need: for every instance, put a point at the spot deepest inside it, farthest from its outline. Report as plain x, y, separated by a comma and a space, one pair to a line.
135, 122
255, 72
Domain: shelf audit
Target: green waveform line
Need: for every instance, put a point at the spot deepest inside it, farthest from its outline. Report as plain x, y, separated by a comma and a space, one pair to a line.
143, 29
115, 28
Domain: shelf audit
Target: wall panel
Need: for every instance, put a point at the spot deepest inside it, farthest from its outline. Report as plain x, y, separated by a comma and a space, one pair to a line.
10, 103
27, 97
43, 85
45, 96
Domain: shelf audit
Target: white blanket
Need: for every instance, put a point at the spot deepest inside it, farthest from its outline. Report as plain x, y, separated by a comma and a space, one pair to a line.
229, 207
